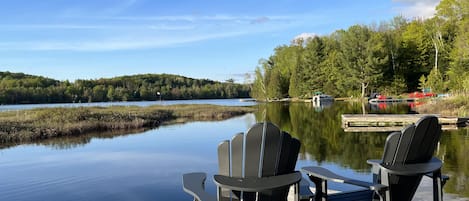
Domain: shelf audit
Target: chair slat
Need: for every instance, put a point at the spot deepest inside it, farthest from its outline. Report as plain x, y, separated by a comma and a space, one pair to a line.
237, 150
272, 148
426, 134
224, 165
253, 150
285, 154
404, 143
294, 150
390, 147
224, 158
434, 130
436, 139
289, 166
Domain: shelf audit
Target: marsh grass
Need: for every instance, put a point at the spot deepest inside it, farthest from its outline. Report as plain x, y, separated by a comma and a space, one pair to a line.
456, 105
44, 123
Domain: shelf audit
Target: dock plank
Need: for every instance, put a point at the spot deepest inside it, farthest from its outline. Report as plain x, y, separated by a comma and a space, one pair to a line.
392, 122
393, 118
388, 128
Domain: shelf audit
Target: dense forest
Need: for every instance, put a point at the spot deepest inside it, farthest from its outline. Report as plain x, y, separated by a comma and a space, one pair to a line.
18, 88
392, 57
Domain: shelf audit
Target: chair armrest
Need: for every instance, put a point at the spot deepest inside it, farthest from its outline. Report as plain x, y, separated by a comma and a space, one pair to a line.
413, 169
194, 184
374, 161
444, 178
325, 174
374, 167
257, 184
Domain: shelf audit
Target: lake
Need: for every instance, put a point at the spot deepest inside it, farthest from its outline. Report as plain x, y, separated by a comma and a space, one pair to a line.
147, 165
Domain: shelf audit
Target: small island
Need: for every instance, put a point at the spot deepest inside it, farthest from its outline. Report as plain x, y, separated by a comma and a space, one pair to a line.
44, 123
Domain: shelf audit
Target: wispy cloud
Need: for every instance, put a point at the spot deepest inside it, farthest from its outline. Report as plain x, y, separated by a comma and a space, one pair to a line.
95, 27
260, 20
77, 9
54, 26
113, 44
117, 33
416, 8
304, 36
199, 18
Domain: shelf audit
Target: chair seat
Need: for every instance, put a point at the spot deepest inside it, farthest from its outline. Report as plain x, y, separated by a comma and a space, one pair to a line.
253, 184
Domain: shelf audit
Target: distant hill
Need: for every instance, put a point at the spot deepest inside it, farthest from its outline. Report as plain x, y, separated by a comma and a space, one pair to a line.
20, 88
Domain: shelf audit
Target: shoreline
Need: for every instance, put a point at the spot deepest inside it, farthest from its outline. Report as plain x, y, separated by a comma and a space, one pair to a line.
457, 105
45, 123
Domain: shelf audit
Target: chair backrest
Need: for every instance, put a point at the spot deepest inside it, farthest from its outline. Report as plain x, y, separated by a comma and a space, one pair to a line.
416, 143
263, 151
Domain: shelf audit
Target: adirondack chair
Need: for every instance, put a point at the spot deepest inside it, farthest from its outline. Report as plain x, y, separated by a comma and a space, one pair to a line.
408, 155
256, 166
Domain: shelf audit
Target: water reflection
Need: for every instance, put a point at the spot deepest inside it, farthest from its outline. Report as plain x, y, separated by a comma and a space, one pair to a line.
454, 151
71, 142
144, 166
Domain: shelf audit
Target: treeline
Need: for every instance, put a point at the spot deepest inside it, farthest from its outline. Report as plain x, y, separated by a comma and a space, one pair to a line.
19, 88
392, 57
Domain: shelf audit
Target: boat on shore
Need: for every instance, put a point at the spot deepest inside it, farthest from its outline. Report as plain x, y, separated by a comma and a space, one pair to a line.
391, 100
376, 98
322, 98
247, 100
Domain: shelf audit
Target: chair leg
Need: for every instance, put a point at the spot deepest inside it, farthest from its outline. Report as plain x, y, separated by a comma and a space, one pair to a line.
219, 193
297, 191
384, 178
437, 186
380, 194
321, 189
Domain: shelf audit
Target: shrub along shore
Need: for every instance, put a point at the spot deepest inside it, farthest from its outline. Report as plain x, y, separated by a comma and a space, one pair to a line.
44, 123
456, 105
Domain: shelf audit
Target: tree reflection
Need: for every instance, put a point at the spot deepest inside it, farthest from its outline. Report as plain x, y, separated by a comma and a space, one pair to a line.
454, 151
321, 134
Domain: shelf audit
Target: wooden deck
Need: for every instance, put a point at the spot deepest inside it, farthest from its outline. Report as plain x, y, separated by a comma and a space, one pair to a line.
424, 192
392, 122
333, 195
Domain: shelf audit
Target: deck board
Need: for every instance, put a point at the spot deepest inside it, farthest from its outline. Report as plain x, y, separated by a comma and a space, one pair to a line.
392, 122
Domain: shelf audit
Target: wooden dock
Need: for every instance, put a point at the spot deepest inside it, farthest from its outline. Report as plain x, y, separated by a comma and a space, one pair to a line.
392, 122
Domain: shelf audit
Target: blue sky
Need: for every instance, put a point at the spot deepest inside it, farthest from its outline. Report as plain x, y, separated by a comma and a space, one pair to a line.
90, 39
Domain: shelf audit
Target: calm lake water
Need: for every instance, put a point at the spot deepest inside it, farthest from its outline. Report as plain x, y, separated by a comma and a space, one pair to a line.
148, 165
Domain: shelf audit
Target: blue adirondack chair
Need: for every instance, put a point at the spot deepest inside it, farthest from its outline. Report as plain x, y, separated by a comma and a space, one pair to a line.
256, 166
407, 157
